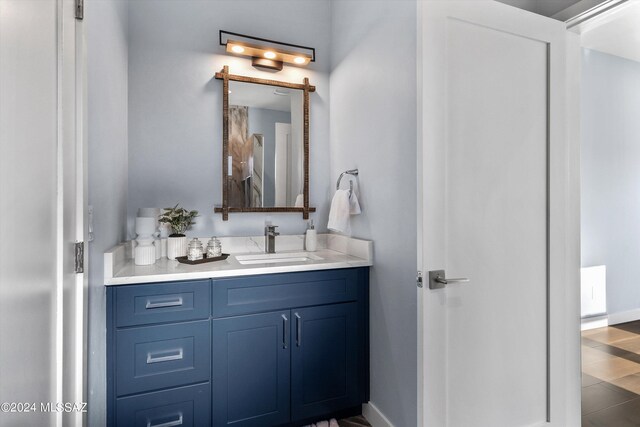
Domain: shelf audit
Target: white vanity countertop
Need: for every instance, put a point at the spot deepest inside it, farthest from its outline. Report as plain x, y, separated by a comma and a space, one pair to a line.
335, 252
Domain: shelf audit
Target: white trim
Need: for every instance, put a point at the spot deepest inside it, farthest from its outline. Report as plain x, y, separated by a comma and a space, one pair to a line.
589, 323
82, 302
59, 286
375, 417
419, 209
595, 16
577, 9
623, 317
572, 370
594, 323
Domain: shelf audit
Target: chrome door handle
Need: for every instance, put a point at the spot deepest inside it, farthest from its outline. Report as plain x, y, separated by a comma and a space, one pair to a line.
298, 330
438, 280
285, 331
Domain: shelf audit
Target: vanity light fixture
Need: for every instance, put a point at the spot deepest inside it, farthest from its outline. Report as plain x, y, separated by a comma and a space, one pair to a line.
267, 54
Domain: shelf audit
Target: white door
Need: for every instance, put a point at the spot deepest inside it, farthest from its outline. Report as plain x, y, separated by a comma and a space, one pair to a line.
42, 299
495, 181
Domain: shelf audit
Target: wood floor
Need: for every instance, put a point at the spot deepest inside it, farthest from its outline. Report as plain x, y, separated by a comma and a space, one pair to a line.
611, 376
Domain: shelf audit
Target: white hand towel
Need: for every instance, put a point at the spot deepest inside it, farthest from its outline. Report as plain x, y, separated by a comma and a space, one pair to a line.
339, 213
299, 201
354, 205
333, 423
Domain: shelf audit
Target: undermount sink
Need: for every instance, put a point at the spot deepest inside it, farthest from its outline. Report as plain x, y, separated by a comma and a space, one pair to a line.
277, 258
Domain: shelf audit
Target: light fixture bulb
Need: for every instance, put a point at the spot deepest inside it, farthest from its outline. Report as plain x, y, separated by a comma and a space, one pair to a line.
299, 60
269, 54
237, 49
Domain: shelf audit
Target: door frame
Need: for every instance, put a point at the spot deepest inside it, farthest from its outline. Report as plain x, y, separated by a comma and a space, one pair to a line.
72, 290
564, 295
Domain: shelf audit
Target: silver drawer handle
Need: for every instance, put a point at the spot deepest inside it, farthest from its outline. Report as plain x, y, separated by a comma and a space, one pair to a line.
157, 359
173, 423
171, 303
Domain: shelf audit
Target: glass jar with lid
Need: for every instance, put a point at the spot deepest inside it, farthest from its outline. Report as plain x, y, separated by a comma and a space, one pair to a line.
214, 248
195, 250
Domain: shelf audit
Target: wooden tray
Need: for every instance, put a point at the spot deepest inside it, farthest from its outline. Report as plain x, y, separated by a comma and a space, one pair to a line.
185, 260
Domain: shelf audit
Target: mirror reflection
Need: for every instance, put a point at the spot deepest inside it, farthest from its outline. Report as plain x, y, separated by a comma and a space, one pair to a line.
266, 149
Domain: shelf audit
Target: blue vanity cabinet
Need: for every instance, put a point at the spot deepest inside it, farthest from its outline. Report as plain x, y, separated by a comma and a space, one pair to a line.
251, 359
283, 349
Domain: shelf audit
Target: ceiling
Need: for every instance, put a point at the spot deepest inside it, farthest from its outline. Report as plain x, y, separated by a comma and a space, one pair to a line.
542, 7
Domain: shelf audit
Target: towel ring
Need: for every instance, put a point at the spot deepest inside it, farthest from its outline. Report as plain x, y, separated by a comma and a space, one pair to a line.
353, 172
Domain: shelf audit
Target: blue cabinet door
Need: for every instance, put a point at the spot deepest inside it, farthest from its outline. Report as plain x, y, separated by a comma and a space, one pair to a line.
251, 370
324, 360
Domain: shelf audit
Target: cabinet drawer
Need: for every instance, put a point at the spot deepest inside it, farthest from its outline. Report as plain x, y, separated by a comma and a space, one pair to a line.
154, 357
167, 302
244, 295
184, 407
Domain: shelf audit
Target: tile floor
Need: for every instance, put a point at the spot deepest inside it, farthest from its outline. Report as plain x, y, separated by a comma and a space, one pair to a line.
611, 376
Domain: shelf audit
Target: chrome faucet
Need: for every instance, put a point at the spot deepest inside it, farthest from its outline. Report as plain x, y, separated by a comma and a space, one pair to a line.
270, 234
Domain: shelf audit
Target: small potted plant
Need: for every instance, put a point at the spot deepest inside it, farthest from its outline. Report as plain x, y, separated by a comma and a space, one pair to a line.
179, 219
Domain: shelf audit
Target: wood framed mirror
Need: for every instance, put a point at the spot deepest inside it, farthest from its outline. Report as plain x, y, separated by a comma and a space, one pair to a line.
265, 145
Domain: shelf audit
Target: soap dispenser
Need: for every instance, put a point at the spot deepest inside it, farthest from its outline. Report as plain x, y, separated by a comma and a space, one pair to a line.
311, 240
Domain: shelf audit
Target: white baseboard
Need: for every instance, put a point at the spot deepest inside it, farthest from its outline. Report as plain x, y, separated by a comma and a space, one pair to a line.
625, 316
375, 417
594, 322
610, 320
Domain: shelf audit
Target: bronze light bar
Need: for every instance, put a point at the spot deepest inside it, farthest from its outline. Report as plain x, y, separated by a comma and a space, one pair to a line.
267, 53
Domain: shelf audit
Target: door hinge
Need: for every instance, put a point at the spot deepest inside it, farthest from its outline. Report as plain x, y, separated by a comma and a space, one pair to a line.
80, 9
79, 264
419, 279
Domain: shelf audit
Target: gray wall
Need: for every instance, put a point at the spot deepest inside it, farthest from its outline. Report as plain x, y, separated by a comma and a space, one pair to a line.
106, 23
175, 104
610, 116
373, 128
262, 120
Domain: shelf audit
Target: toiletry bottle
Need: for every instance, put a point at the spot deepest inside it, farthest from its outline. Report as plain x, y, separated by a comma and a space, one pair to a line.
311, 241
